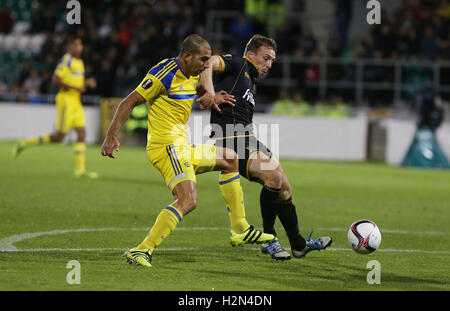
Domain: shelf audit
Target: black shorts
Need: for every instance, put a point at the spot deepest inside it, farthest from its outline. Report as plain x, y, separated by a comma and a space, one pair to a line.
245, 147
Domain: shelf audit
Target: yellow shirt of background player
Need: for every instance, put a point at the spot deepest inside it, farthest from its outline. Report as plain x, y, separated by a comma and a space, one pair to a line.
170, 95
71, 72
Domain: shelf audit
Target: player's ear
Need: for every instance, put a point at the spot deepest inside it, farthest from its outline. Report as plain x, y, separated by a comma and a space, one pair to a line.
187, 57
250, 54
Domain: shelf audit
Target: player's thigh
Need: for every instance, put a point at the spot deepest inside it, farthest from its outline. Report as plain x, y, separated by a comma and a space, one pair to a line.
78, 119
203, 157
268, 171
70, 114
265, 169
226, 159
172, 165
63, 117
257, 164
254, 159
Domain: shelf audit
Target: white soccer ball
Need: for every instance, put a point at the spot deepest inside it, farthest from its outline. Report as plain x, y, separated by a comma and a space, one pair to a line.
363, 236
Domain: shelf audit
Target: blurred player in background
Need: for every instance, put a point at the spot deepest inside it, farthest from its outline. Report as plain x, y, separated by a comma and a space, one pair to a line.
237, 76
69, 77
169, 89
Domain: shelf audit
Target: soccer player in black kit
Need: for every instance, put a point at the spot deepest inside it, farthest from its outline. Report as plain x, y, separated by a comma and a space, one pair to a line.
236, 77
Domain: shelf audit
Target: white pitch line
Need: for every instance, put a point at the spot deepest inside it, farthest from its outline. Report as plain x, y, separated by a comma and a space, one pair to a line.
392, 250
184, 249
390, 231
326, 229
7, 244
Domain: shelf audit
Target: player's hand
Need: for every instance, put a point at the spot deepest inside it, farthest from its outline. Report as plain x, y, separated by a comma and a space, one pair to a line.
91, 83
222, 97
81, 89
109, 145
206, 101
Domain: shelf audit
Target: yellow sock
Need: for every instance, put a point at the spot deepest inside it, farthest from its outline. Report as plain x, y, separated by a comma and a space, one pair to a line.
80, 156
230, 187
38, 140
165, 223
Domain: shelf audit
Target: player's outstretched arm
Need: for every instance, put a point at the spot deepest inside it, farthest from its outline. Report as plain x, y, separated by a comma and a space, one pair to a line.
209, 98
121, 115
206, 81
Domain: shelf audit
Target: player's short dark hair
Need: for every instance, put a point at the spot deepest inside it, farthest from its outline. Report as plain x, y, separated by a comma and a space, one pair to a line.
72, 39
257, 41
192, 44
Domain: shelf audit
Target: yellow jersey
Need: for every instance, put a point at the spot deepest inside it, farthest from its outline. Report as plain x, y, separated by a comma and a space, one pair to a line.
71, 72
169, 94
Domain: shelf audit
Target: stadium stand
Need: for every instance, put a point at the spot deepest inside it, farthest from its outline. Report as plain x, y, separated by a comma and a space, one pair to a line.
123, 38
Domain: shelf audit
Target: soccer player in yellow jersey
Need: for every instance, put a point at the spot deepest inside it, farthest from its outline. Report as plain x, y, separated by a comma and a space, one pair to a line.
169, 90
69, 77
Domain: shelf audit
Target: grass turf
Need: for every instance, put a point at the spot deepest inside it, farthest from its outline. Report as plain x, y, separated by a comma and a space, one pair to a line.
97, 220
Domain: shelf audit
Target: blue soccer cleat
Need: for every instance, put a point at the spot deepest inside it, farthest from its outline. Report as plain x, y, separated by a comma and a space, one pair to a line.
274, 249
313, 245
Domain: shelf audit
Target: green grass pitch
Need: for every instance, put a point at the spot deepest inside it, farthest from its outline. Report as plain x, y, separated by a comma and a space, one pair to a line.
49, 218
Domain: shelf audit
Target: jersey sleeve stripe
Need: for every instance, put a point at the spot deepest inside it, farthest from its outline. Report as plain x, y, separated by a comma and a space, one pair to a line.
162, 72
159, 67
166, 71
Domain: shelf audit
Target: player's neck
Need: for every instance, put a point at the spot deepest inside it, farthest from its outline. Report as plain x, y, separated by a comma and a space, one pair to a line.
183, 67
75, 56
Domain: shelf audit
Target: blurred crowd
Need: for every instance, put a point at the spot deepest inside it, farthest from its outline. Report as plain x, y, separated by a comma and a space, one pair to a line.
123, 38
418, 29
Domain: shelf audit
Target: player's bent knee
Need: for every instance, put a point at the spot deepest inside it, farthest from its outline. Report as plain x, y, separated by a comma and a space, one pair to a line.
286, 191
81, 134
81, 138
233, 163
273, 178
188, 204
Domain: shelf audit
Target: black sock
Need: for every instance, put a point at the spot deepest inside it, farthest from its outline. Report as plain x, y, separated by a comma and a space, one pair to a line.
288, 216
269, 200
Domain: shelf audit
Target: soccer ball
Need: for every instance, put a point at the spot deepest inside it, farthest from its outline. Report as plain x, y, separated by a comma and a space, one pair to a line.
364, 237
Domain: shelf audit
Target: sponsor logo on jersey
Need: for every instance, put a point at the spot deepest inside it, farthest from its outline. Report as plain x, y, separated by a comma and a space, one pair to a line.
248, 96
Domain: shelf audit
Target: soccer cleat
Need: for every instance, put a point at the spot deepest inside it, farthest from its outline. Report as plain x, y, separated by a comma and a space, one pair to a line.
313, 245
85, 174
18, 148
251, 235
138, 257
274, 249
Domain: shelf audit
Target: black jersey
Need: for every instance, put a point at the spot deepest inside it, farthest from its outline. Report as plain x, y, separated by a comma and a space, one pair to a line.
238, 78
